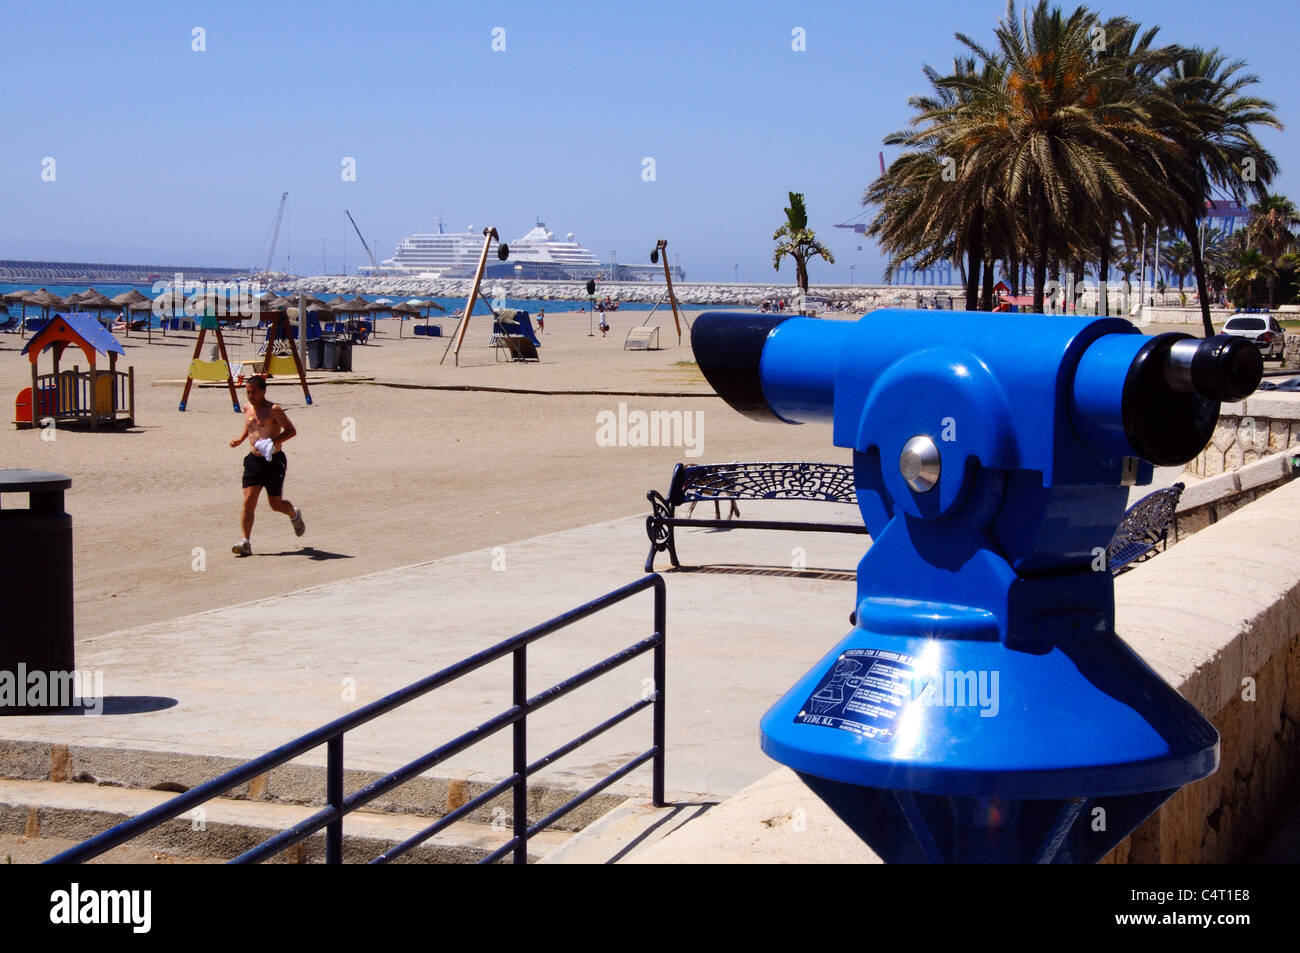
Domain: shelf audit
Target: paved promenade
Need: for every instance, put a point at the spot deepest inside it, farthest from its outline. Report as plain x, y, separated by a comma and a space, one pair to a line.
238, 681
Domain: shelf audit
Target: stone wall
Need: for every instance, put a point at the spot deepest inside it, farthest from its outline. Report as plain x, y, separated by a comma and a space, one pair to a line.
1248, 430
1218, 616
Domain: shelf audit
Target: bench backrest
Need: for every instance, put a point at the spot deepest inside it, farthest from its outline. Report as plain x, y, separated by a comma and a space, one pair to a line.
830, 482
1143, 527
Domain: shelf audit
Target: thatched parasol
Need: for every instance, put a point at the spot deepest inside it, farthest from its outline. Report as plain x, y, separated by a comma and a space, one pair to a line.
20, 298
92, 300
45, 300
128, 300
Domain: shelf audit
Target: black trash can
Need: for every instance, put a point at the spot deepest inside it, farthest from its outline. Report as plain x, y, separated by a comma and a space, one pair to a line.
330, 354
37, 660
315, 354
345, 356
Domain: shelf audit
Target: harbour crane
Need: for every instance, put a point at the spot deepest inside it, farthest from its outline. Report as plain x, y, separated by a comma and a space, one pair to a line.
373, 264
275, 232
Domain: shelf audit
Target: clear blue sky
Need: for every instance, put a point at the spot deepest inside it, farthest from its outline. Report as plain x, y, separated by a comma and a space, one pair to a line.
167, 155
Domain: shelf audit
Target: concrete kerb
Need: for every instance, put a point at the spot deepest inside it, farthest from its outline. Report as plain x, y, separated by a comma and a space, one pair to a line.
225, 828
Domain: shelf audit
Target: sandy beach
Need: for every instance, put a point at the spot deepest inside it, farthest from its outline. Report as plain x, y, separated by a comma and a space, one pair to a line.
445, 459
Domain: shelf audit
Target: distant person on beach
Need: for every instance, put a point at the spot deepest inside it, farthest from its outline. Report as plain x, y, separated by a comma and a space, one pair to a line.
541, 321
266, 427
604, 325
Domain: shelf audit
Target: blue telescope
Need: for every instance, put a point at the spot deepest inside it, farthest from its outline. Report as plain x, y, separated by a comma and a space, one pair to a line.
983, 709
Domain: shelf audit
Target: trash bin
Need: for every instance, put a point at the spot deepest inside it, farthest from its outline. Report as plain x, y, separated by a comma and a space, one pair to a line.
345, 356
37, 636
315, 353
330, 354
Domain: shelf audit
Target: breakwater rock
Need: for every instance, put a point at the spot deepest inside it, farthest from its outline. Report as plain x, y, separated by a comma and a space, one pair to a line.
689, 294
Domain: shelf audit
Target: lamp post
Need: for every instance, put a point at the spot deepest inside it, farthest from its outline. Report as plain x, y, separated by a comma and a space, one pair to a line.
322, 255
736, 274
851, 267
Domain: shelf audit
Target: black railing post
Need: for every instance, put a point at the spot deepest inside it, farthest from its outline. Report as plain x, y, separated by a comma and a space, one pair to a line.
661, 689
520, 768
334, 798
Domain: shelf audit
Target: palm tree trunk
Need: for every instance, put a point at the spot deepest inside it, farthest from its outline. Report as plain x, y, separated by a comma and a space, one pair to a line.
1103, 274
986, 291
1040, 253
1202, 294
974, 255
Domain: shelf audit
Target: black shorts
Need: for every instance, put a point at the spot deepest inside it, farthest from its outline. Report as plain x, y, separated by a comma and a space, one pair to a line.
258, 471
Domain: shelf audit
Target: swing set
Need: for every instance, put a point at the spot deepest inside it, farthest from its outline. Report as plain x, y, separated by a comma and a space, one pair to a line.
219, 370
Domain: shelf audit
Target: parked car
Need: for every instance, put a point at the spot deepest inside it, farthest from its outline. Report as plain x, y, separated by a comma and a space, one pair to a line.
1263, 329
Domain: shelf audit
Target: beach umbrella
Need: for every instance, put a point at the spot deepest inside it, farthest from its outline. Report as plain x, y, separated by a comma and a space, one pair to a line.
128, 300
382, 301
428, 304
21, 298
130, 297
92, 300
402, 310
351, 308
45, 300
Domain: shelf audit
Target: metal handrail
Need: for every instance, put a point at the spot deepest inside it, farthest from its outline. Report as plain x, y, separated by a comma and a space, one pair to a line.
330, 818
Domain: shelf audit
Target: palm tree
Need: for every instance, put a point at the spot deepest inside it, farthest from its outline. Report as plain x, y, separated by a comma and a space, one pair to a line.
1041, 136
800, 242
1134, 88
931, 205
1249, 267
1209, 119
1218, 259
1270, 229
1178, 257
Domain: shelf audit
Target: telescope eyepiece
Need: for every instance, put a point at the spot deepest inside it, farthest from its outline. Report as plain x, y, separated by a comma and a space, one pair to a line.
1226, 368
1174, 388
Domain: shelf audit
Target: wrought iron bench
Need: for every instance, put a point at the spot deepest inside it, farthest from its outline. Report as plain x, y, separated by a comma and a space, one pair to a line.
731, 482
1144, 529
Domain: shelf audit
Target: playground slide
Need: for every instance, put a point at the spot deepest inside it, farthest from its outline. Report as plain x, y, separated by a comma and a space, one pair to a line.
526, 327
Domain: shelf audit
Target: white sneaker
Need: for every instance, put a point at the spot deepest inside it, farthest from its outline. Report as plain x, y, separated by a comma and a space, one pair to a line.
299, 527
243, 548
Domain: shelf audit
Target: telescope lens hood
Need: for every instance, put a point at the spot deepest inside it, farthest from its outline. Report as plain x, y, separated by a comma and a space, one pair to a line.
729, 350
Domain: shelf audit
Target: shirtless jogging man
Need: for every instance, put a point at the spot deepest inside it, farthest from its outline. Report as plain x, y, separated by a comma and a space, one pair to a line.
266, 428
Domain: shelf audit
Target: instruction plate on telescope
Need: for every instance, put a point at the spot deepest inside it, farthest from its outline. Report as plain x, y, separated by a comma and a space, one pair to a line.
864, 692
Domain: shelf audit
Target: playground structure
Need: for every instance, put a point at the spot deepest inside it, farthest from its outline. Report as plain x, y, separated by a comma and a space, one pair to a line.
643, 336
661, 251
94, 396
273, 363
503, 252
201, 370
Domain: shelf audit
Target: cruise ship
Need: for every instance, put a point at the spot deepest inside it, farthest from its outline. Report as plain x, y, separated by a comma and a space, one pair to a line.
536, 255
